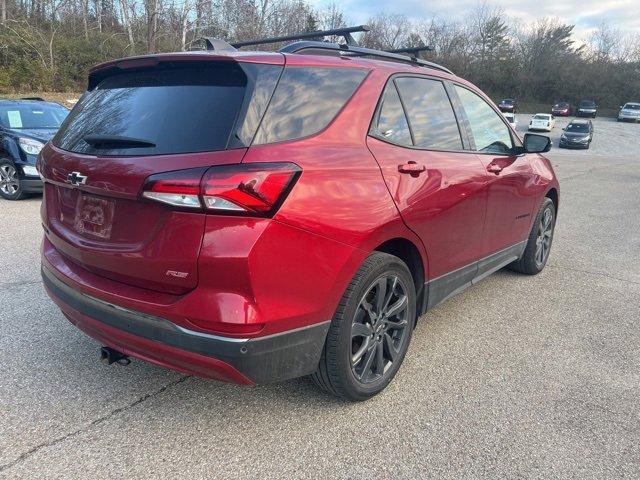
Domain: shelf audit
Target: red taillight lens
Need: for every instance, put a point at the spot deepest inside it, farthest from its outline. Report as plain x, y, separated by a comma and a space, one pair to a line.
255, 189
248, 189
179, 189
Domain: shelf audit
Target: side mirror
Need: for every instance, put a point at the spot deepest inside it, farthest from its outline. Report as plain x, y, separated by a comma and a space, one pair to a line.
534, 143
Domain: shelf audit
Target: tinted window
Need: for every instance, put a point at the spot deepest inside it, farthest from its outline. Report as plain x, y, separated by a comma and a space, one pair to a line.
306, 100
587, 104
431, 117
578, 128
490, 133
391, 123
32, 115
177, 110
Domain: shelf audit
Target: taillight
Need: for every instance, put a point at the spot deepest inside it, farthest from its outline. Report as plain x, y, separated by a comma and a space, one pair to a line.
179, 189
255, 189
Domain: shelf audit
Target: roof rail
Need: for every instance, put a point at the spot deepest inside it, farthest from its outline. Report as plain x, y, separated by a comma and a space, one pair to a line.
318, 34
412, 51
39, 99
349, 50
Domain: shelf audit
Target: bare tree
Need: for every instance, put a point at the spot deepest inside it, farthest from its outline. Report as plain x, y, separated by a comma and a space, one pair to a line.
387, 31
151, 11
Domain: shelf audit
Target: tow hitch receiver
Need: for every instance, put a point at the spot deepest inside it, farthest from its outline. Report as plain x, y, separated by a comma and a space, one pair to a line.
109, 356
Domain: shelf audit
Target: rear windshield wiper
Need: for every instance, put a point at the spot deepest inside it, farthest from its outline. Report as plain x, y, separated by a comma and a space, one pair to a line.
106, 141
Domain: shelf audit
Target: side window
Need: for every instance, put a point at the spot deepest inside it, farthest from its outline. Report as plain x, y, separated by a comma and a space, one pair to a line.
306, 100
391, 123
430, 113
490, 133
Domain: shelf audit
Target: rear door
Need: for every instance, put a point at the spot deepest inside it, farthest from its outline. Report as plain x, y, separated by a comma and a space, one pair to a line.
140, 121
511, 192
438, 187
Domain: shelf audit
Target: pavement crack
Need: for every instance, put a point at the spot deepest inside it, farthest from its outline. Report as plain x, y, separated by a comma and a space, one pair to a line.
599, 274
25, 455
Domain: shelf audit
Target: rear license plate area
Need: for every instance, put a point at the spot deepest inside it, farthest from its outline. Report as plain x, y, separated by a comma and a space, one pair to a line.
94, 216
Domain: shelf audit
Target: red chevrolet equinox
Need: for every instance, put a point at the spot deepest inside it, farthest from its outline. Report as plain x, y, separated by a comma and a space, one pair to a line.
253, 217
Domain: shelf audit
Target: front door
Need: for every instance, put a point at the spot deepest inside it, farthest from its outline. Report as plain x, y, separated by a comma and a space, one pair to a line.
511, 195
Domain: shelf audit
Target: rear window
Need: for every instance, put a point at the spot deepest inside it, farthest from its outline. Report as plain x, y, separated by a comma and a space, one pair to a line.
541, 117
306, 100
632, 106
190, 108
587, 104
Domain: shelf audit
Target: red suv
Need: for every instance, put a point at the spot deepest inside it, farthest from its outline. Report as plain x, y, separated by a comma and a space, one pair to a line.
254, 217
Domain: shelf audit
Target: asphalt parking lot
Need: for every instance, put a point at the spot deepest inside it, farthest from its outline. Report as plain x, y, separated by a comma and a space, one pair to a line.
535, 377
610, 138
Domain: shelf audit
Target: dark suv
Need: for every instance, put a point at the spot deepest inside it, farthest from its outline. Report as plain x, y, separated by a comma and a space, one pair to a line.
587, 108
253, 217
25, 126
508, 105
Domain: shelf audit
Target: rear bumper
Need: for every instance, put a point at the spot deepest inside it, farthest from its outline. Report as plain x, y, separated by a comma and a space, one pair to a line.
265, 359
31, 185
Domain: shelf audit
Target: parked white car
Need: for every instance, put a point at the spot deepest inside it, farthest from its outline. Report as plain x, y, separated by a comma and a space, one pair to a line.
630, 111
542, 121
512, 119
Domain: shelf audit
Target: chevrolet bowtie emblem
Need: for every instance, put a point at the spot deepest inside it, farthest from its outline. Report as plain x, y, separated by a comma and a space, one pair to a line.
76, 178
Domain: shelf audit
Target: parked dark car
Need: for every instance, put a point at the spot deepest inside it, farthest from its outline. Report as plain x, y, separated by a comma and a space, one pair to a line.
587, 108
258, 217
578, 134
508, 105
562, 109
25, 126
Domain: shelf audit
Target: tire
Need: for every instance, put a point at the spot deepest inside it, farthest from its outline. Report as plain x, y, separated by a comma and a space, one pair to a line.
350, 366
10, 182
532, 260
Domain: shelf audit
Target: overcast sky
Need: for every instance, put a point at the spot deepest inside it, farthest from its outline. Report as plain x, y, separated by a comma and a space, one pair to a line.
586, 15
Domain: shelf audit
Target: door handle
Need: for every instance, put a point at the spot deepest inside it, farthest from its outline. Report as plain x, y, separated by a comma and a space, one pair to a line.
494, 168
412, 168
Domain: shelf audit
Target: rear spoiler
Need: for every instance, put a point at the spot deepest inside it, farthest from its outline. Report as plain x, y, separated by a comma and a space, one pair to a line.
145, 62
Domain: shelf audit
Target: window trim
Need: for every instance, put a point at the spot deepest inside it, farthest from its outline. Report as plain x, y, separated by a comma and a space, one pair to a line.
517, 149
376, 114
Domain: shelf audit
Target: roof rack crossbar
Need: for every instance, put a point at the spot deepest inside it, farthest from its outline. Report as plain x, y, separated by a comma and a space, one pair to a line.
360, 51
318, 34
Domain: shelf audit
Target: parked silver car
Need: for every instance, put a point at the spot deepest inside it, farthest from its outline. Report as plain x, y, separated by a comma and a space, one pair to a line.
630, 111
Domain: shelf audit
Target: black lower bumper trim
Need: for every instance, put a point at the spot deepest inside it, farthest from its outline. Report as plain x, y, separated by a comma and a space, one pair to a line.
263, 360
31, 185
